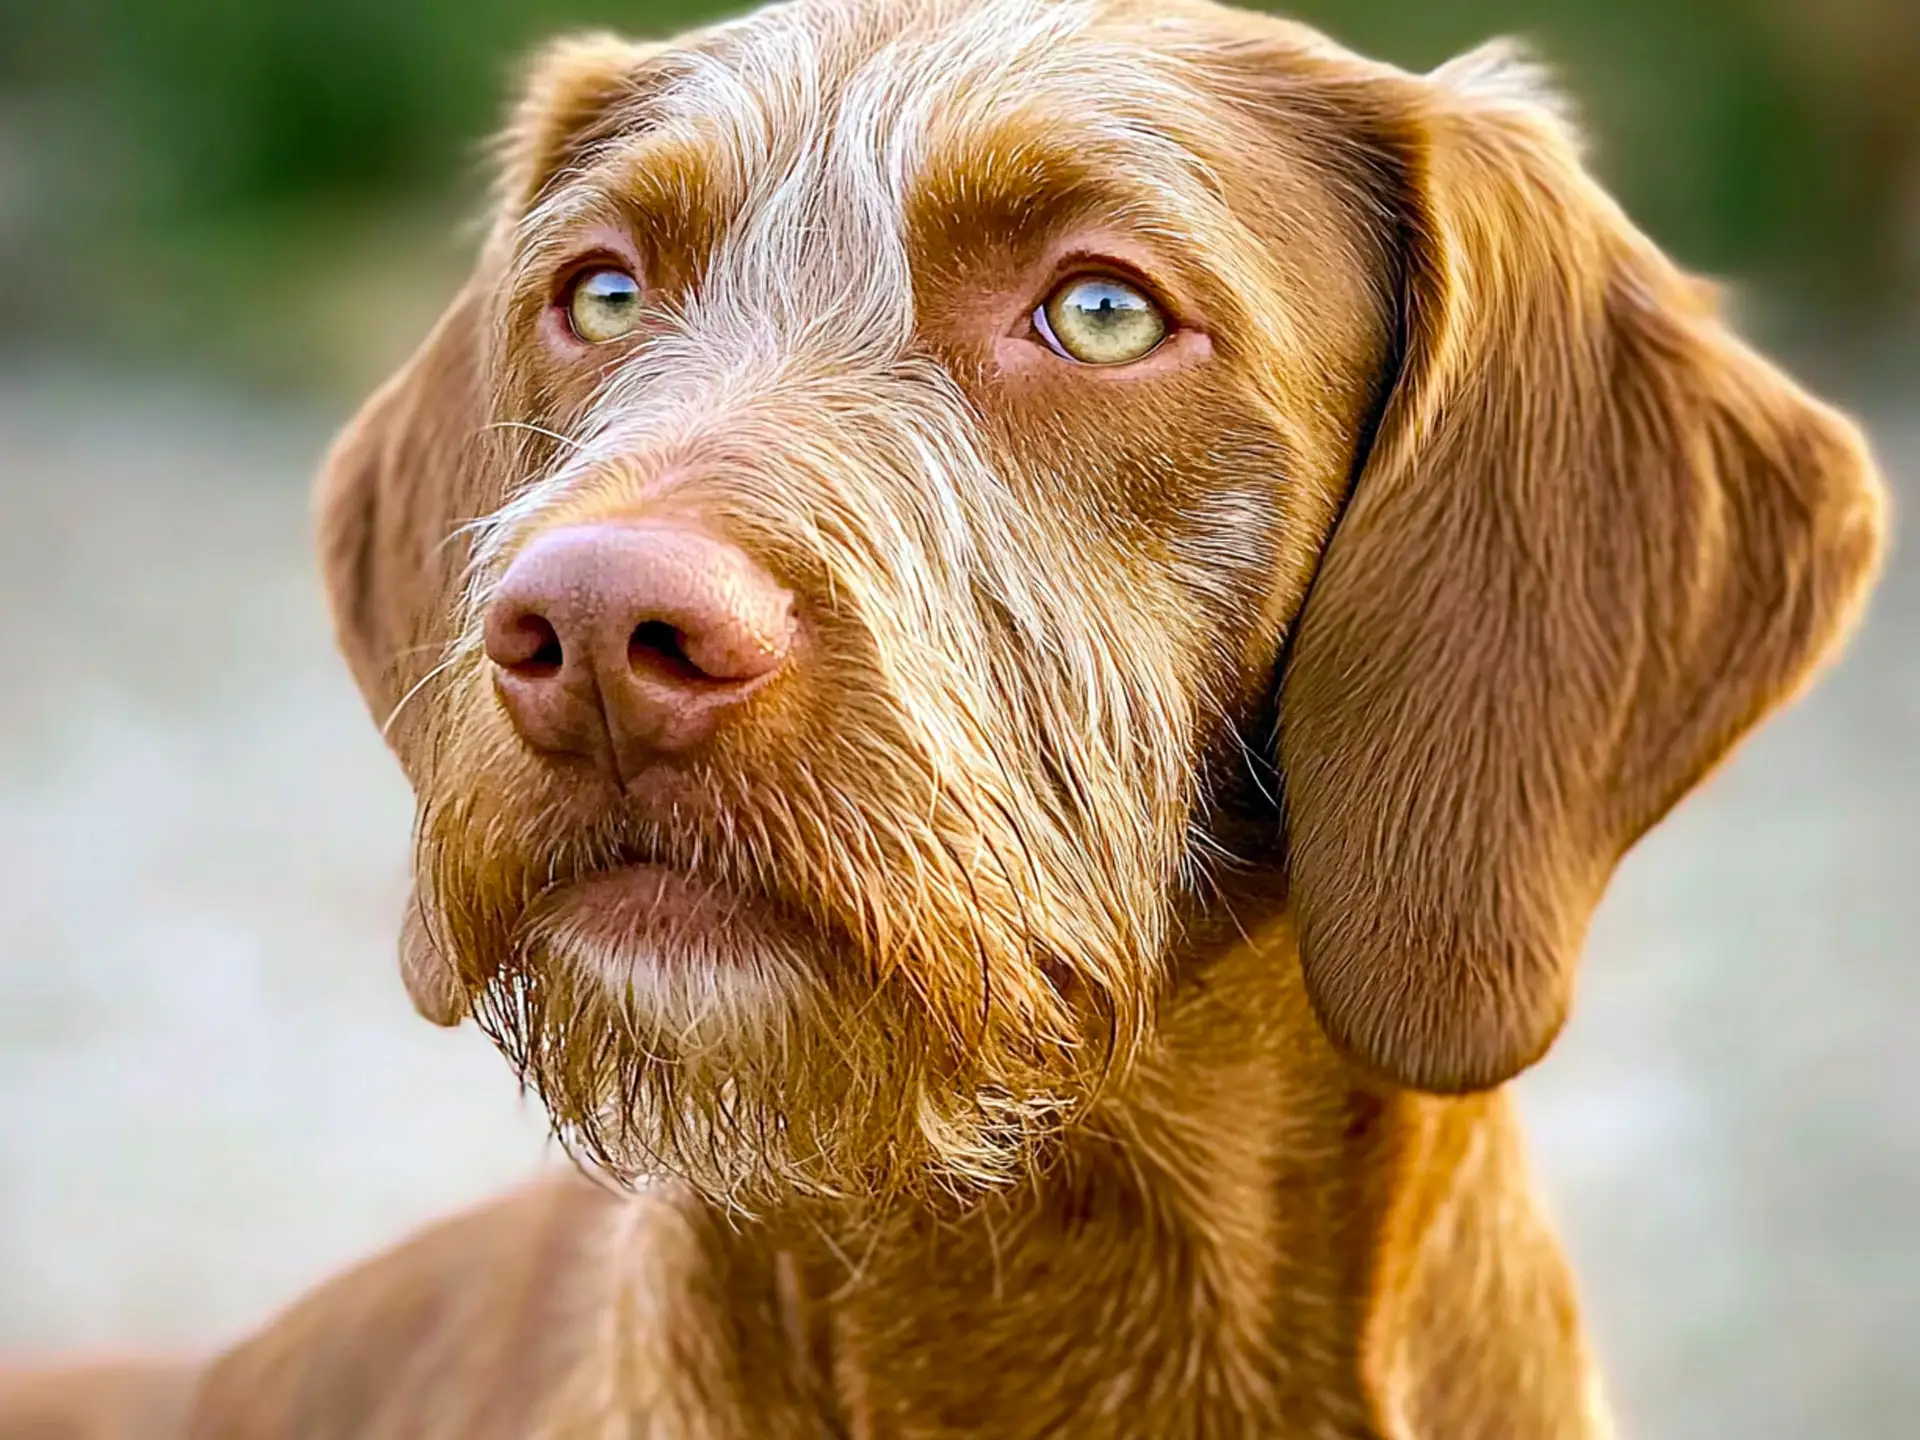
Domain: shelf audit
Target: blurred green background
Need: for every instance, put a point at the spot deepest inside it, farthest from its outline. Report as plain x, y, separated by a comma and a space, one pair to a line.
258, 183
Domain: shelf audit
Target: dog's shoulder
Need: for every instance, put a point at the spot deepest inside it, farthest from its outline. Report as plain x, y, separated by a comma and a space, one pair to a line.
120, 1399
465, 1329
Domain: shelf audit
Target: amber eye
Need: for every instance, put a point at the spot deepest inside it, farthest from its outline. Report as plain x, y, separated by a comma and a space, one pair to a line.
1100, 321
604, 305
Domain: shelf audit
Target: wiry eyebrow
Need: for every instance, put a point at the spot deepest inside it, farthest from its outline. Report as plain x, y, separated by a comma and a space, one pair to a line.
671, 179
1012, 183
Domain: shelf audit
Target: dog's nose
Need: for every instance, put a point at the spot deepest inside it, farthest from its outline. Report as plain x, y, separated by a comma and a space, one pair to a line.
624, 640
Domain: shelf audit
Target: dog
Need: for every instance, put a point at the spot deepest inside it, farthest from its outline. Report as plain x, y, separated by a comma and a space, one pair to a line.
1026, 632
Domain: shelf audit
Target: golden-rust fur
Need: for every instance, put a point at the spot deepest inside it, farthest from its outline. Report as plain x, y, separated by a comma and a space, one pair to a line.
1199, 779
126, 1399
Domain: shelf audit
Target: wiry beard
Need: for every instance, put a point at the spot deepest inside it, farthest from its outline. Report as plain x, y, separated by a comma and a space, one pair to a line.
818, 1099
895, 1019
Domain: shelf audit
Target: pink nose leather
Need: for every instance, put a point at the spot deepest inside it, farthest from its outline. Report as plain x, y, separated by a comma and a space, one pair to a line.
623, 641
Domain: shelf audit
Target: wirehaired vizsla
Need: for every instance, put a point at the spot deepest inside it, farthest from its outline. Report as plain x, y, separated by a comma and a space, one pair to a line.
1026, 633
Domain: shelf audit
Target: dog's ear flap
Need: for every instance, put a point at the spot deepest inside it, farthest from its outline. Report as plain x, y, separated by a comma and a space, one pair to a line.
402, 454
1595, 540
387, 496
432, 983
575, 93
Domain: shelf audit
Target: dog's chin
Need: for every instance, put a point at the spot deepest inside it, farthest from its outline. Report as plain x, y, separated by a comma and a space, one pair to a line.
677, 1029
669, 950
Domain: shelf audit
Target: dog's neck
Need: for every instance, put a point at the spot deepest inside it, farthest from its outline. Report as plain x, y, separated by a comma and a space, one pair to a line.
1148, 1272
1246, 1238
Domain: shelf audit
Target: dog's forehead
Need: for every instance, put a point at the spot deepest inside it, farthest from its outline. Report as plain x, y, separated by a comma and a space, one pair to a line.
807, 130
828, 64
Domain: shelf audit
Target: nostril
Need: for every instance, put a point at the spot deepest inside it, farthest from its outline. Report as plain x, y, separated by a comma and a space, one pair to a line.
657, 646
529, 646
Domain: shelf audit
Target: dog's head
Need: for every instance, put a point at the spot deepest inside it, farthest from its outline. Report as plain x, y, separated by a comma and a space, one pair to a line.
927, 516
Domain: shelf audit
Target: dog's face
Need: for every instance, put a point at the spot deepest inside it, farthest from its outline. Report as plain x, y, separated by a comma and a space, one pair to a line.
941, 411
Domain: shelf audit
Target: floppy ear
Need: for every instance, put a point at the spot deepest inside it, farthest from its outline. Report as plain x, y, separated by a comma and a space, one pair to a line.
403, 475
387, 501
390, 495
413, 466
575, 93
1596, 539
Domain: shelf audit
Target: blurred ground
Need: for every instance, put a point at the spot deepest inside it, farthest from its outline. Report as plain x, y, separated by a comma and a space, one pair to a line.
212, 1091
